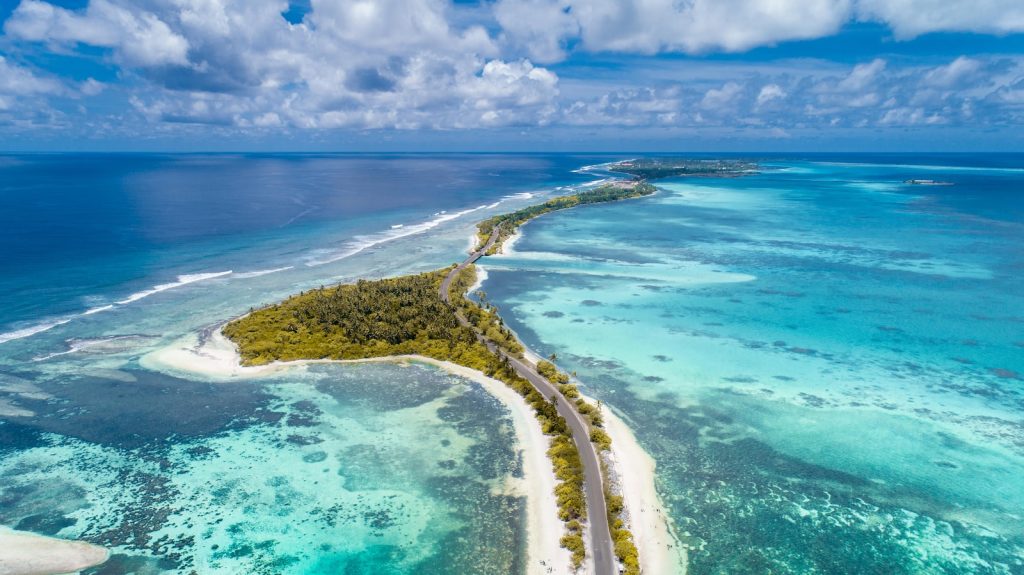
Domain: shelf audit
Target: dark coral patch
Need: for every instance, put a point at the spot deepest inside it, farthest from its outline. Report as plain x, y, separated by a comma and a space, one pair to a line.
1005, 373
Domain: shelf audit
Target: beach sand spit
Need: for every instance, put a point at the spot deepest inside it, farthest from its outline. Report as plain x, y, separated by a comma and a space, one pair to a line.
24, 553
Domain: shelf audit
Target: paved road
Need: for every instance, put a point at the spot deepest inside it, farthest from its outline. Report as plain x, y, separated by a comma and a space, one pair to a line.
597, 508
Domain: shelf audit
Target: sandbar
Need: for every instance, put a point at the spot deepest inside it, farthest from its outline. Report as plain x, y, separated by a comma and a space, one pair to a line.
23, 553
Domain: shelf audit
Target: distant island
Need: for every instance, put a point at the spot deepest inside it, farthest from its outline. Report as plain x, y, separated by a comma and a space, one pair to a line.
927, 183
655, 168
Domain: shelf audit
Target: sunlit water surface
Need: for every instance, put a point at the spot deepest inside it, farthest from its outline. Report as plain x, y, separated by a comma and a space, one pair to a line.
826, 363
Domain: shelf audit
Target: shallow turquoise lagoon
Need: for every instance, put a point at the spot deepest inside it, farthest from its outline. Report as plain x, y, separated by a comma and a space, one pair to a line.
333, 469
826, 363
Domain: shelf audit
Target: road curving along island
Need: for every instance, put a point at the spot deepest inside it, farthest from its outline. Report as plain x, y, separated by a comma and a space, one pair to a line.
429, 315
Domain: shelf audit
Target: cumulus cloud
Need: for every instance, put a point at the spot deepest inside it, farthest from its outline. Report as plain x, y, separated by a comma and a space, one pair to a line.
627, 107
432, 64
698, 26
719, 98
20, 81
955, 72
139, 37
868, 94
540, 28
910, 18
359, 64
23, 96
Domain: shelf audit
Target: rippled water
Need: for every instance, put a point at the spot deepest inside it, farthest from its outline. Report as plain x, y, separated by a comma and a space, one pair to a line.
826, 363
347, 469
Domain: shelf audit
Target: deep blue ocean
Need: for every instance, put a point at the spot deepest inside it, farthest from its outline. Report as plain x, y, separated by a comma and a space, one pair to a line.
825, 363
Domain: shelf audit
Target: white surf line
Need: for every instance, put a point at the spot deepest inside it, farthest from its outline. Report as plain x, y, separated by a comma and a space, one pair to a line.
397, 231
603, 166
182, 280
76, 345
32, 330
52, 323
362, 243
258, 273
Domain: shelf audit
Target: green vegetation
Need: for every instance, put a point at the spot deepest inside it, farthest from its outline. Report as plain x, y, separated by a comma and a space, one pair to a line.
367, 319
654, 168
551, 373
400, 316
622, 538
405, 316
510, 222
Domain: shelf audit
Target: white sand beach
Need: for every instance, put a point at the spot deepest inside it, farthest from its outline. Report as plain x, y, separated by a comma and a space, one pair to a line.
217, 359
24, 553
633, 467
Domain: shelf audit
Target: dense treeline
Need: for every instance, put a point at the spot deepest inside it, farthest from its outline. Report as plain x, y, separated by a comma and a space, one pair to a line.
367, 319
511, 221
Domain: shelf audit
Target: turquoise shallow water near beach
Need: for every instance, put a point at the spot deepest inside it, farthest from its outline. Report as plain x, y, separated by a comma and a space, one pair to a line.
825, 363
369, 468
326, 469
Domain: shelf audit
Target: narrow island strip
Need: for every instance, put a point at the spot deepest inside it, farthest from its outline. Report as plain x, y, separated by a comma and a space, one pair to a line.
428, 315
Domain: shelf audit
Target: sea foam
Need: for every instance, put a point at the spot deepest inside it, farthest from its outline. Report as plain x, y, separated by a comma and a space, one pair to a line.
182, 280
258, 273
33, 329
363, 242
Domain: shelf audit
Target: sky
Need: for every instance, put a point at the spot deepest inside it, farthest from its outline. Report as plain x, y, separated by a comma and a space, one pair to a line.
512, 75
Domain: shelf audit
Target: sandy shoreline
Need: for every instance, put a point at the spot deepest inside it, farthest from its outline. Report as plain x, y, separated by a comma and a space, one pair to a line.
216, 358
632, 469
23, 553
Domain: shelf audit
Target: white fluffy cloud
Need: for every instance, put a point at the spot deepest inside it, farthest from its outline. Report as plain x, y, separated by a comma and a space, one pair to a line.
359, 63
19, 84
139, 37
910, 18
769, 93
19, 81
415, 64
964, 91
697, 26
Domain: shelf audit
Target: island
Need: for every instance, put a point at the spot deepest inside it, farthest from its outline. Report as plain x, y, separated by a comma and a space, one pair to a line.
429, 315
654, 168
